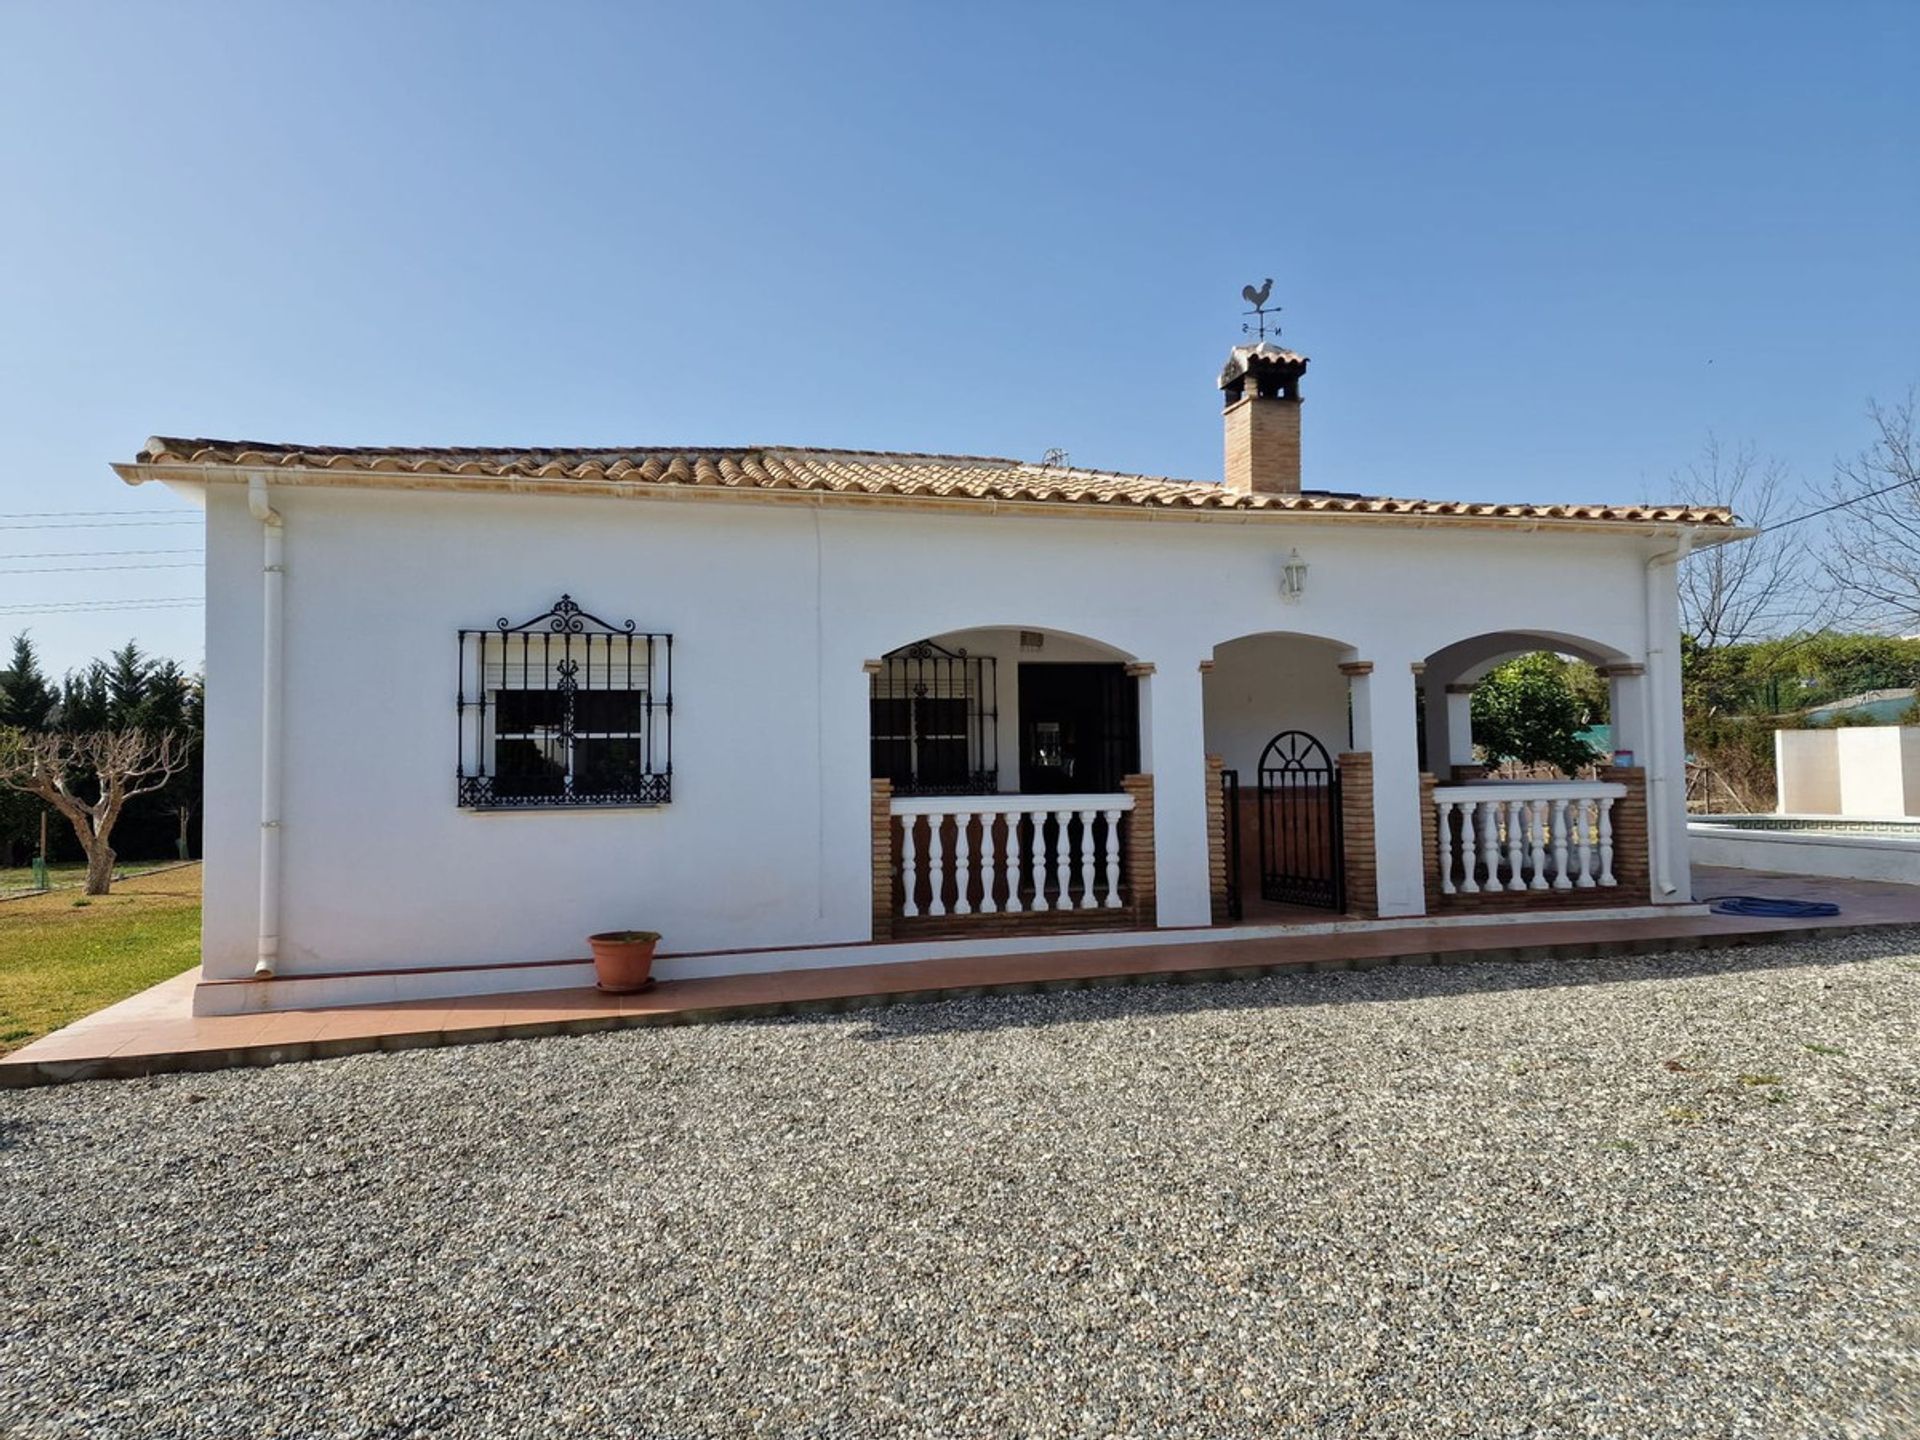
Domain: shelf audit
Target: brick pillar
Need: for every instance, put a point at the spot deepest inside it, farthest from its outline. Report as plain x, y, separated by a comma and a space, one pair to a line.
1357, 835
1430, 838
1217, 837
1631, 860
1139, 832
883, 860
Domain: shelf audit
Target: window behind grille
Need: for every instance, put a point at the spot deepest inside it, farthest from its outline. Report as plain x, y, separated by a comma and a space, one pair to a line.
565, 709
933, 721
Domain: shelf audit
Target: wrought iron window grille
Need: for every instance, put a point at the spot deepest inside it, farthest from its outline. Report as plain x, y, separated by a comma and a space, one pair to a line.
934, 721
564, 710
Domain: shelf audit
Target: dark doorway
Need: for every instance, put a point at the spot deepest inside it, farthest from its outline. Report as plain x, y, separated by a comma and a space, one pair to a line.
1301, 857
1079, 728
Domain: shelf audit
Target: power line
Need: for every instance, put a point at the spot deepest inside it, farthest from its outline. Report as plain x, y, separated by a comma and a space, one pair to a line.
100, 524
75, 607
91, 569
91, 554
1838, 505
48, 515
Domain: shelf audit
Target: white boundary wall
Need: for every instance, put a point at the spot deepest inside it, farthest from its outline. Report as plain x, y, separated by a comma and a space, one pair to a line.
774, 608
1791, 852
1865, 770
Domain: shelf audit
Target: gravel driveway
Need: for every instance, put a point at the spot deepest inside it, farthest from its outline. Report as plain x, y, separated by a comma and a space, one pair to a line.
1640, 1197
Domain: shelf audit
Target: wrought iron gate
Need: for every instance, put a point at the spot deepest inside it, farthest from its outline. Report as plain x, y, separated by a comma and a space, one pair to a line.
1300, 852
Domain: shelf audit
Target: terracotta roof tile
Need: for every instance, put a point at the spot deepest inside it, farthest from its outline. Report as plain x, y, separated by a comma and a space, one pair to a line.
868, 472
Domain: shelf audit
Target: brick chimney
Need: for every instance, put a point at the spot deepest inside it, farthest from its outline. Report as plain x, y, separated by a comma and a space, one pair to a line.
1261, 384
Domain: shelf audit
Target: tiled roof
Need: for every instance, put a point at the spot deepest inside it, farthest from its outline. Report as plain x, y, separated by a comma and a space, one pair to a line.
859, 473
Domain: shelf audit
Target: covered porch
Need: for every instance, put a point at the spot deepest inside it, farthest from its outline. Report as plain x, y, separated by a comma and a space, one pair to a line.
1010, 795
1007, 789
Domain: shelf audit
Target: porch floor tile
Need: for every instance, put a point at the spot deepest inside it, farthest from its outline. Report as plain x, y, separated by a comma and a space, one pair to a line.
155, 1031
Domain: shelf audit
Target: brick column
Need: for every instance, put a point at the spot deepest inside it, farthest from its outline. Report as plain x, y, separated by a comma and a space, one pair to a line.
1631, 861
1357, 834
882, 859
1141, 890
1217, 837
1430, 838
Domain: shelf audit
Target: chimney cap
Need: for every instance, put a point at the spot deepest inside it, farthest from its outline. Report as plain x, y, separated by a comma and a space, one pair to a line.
1243, 359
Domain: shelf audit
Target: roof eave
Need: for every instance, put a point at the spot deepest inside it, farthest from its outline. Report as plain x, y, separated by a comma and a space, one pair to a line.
135, 473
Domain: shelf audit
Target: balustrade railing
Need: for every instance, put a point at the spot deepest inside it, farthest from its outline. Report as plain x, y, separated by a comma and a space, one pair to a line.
993, 854
1499, 836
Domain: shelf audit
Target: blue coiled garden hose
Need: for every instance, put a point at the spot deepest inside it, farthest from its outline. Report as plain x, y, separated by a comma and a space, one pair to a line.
1769, 908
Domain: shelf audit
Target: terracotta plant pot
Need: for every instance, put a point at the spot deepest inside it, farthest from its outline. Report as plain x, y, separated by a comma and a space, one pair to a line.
623, 959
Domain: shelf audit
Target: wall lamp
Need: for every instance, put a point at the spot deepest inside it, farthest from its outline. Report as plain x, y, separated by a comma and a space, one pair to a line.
1293, 577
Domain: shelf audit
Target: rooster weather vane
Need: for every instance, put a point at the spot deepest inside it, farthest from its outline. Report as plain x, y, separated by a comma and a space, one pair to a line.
1264, 321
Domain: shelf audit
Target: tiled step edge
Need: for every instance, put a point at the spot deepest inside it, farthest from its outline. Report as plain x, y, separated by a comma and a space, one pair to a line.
20, 1074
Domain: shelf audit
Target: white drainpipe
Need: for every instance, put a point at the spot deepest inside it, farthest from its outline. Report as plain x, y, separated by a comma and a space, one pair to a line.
1656, 714
272, 584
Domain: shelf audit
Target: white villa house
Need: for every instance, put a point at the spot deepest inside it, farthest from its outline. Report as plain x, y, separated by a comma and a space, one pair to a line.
800, 707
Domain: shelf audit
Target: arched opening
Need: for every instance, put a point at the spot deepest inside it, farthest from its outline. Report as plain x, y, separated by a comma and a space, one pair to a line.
1008, 757
1532, 741
1547, 709
1277, 717
1004, 710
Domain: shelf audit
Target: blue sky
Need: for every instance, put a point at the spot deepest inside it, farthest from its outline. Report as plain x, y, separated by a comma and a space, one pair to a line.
1535, 251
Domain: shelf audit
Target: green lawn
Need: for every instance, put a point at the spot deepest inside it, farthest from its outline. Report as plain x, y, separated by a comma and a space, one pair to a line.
63, 956
17, 879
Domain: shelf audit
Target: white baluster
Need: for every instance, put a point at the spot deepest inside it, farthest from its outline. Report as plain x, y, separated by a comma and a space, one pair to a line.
1606, 841
1112, 877
1560, 880
989, 862
1062, 861
1583, 837
1447, 887
1088, 900
1516, 844
936, 876
909, 872
1039, 818
1536, 843
1490, 843
962, 863
1470, 885
1014, 907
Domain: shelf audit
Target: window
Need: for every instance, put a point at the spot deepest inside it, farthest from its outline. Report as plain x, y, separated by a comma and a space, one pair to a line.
564, 710
933, 722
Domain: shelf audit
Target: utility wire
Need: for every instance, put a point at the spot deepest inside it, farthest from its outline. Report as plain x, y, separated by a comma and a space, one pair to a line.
48, 515
97, 524
1837, 505
87, 569
77, 607
91, 554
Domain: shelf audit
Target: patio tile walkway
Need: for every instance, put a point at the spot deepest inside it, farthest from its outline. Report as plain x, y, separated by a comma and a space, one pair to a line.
155, 1031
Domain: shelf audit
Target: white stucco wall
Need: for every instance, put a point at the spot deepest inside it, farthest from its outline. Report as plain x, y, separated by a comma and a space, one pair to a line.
1843, 857
1865, 770
1263, 684
1806, 772
774, 608
1870, 778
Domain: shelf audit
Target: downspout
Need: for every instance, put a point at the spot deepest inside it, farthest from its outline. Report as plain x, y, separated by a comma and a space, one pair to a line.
272, 584
1659, 782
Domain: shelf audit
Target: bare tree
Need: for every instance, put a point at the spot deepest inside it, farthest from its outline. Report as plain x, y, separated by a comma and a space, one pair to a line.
1875, 555
1751, 589
113, 765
